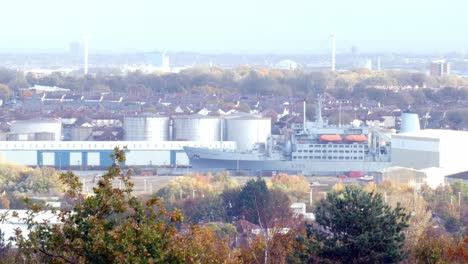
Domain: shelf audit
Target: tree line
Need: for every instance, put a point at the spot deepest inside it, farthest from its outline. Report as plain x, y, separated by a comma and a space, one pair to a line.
192, 221
243, 80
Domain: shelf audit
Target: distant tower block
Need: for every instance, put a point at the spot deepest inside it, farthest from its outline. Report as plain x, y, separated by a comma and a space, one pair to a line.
85, 53
333, 52
378, 64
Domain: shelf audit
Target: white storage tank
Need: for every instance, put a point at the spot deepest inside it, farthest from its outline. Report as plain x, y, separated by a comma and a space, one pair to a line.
52, 127
197, 128
409, 122
248, 130
146, 127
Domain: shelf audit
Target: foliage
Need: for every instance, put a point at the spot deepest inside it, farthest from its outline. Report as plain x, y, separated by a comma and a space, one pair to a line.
433, 247
202, 245
259, 205
278, 248
296, 187
192, 186
459, 253
204, 209
358, 227
110, 226
17, 183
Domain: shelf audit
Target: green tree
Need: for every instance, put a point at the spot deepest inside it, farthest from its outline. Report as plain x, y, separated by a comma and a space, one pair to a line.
110, 226
358, 227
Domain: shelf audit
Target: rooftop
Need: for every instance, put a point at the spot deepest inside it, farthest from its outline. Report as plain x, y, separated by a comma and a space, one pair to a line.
434, 133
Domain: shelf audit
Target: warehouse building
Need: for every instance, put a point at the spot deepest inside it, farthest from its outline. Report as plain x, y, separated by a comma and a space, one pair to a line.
430, 155
430, 148
96, 154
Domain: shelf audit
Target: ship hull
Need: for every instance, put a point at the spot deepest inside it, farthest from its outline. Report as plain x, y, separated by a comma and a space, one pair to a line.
206, 159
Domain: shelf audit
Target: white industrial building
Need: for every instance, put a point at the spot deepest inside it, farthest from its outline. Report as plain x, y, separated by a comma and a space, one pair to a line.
36, 129
435, 152
96, 154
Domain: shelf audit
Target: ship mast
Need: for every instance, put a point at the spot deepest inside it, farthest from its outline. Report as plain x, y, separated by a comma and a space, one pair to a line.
304, 115
318, 111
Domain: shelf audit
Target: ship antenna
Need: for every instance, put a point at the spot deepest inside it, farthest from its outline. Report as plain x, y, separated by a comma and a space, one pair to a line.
304, 115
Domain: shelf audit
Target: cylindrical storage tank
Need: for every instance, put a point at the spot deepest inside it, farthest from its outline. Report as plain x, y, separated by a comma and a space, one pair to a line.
197, 128
146, 127
409, 122
248, 130
33, 126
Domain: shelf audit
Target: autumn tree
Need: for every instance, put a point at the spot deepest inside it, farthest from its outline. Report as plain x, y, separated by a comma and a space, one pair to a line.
433, 247
202, 245
110, 226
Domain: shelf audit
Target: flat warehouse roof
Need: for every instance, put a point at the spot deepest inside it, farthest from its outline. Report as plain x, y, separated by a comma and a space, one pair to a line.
433, 134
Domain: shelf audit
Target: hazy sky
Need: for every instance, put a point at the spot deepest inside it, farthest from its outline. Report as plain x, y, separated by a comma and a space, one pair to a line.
292, 26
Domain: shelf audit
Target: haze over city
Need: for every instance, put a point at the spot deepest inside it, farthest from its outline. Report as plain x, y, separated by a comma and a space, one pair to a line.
248, 131
235, 26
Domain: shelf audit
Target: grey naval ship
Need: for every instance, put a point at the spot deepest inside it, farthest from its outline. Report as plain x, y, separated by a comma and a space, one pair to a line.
311, 148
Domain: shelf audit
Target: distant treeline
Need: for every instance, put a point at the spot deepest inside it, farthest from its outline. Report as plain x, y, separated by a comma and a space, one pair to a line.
245, 80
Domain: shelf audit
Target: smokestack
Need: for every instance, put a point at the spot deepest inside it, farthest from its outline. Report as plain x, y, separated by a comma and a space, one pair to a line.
333, 52
85, 53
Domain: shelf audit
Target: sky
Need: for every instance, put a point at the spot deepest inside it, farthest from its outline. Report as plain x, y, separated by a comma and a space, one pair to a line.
250, 26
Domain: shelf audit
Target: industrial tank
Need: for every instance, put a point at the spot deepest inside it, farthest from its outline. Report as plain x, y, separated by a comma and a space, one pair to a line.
248, 130
50, 127
146, 127
197, 128
409, 122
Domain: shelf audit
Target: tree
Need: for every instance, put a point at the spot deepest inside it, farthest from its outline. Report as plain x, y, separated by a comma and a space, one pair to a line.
205, 246
459, 253
433, 247
296, 187
5, 91
111, 226
358, 227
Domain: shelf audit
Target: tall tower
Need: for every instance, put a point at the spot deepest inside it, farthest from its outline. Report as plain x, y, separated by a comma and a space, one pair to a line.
333, 52
85, 53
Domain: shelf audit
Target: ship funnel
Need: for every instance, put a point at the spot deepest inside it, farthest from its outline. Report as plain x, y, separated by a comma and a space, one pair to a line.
409, 122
